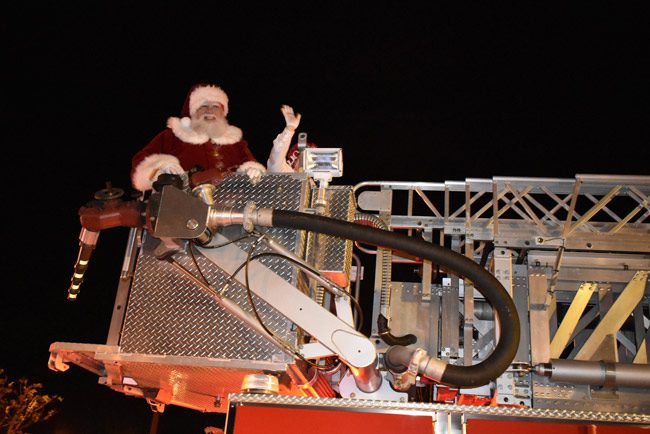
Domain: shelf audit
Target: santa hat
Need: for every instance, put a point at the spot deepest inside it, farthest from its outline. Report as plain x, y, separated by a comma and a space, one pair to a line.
199, 94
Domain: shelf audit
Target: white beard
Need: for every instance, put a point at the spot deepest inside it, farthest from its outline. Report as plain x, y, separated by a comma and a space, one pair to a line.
213, 128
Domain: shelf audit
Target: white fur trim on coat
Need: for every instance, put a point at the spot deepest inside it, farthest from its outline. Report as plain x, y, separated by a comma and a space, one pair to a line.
204, 94
144, 172
183, 130
277, 162
251, 165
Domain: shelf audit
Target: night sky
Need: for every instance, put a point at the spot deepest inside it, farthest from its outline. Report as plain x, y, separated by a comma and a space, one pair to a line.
410, 91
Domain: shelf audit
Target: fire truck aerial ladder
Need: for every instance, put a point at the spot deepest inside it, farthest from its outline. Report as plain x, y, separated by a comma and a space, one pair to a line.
504, 299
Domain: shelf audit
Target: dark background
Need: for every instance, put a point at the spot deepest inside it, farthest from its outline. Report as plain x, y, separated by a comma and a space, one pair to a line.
410, 91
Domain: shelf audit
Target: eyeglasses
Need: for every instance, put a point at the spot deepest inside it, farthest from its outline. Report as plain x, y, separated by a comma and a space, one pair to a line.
210, 105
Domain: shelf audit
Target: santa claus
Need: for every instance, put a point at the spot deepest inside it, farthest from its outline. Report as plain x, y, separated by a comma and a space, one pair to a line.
203, 137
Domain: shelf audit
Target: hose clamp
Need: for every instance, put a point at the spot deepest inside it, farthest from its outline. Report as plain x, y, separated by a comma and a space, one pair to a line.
249, 212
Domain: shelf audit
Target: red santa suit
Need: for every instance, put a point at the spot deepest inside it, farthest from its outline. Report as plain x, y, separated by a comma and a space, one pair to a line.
180, 145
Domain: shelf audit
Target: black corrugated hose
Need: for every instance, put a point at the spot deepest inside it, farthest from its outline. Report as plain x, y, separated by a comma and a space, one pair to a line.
462, 376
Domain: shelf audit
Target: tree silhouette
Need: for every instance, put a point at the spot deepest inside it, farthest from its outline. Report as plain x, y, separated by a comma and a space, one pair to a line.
22, 405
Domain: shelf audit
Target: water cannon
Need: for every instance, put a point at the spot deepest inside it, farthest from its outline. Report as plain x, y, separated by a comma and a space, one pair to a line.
106, 210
